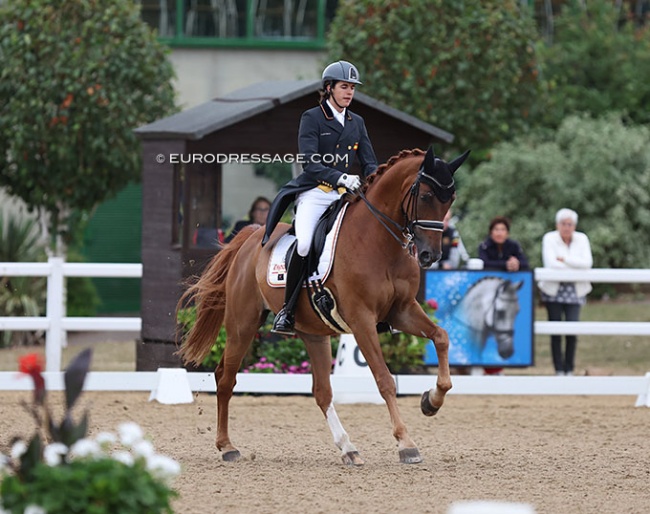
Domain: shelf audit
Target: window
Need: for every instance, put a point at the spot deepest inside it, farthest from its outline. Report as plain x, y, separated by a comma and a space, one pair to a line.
241, 23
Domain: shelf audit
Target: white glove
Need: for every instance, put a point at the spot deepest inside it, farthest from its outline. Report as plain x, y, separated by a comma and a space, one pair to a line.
350, 182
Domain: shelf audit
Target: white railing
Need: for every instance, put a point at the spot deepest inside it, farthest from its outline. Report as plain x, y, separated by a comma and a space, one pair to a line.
55, 324
609, 276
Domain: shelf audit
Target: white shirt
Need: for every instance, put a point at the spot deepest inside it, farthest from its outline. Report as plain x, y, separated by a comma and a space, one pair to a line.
338, 116
577, 255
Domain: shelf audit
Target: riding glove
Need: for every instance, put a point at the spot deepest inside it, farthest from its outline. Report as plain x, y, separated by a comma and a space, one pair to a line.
350, 182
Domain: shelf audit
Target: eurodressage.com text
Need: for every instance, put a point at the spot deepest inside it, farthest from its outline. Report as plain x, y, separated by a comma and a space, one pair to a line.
250, 158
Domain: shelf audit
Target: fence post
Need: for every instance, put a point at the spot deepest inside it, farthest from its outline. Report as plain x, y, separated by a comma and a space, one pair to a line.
54, 335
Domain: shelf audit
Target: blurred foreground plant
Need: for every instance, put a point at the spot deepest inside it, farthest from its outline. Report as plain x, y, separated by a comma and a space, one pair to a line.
59, 470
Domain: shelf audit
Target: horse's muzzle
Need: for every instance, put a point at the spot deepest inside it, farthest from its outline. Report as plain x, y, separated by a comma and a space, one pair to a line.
427, 258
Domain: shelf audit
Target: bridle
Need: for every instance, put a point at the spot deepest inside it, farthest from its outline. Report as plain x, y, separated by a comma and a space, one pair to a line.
406, 231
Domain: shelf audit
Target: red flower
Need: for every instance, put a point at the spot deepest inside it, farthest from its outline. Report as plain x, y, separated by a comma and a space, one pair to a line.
32, 365
432, 304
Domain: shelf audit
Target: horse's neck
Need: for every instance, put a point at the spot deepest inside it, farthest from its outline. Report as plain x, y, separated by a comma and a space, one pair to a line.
386, 196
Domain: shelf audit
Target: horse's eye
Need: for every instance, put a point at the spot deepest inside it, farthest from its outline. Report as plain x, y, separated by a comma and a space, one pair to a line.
427, 197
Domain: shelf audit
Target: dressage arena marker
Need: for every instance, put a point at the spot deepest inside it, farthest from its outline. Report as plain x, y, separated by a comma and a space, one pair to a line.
351, 363
643, 400
172, 387
490, 507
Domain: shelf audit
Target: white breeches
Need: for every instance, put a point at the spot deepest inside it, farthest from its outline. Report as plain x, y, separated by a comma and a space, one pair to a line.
309, 207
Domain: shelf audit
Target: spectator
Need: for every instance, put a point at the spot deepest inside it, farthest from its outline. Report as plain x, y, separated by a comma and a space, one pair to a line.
565, 248
257, 214
453, 249
498, 252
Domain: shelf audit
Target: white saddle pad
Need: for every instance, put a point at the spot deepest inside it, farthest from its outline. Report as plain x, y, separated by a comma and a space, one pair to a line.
276, 271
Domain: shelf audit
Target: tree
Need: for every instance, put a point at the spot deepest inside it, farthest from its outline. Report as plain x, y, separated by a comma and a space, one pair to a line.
77, 77
468, 67
599, 61
598, 167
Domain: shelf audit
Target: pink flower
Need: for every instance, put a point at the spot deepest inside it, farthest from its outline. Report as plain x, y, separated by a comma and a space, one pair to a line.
432, 304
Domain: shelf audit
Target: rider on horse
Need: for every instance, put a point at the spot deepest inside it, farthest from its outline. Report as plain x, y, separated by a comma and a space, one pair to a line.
329, 138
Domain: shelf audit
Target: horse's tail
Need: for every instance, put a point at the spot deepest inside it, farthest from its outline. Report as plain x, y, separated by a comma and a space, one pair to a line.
208, 293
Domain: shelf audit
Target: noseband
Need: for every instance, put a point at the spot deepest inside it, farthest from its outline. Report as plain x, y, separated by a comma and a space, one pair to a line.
411, 221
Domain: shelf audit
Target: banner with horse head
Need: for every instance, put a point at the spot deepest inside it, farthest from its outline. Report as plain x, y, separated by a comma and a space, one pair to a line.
488, 314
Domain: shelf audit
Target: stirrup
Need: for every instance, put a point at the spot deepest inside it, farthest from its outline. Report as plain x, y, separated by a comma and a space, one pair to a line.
283, 324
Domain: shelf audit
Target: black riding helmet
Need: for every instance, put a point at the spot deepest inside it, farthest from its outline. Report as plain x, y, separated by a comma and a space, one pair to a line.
340, 71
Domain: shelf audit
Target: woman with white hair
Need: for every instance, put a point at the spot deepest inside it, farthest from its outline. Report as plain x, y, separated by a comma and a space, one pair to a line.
565, 248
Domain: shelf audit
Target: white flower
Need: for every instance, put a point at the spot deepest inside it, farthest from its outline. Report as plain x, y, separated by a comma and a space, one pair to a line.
53, 452
163, 466
143, 449
106, 438
4, 464
34, 509
123, 456
86, 448
130, 433
18, 449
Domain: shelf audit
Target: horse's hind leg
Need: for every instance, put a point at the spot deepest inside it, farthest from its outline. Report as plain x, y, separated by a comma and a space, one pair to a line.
320, 355
241, 327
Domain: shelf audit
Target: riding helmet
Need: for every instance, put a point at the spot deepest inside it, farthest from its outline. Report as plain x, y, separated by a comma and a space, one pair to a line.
341, 71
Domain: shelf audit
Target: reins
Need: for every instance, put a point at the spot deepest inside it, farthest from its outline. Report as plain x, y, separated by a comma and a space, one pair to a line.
412, 222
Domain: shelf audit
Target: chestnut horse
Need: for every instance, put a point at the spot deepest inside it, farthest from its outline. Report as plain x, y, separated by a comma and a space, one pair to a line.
391, 226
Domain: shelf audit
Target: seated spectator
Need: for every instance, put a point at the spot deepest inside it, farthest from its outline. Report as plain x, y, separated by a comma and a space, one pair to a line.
257, 214
453, 250
500, 253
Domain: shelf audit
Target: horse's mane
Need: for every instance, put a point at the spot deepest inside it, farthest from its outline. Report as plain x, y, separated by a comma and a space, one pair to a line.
383, 168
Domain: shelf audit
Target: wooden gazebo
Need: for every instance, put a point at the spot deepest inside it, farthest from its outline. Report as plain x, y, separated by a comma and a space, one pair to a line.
181, 201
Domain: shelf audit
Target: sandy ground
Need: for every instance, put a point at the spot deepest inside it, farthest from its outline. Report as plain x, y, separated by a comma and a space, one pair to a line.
559, 454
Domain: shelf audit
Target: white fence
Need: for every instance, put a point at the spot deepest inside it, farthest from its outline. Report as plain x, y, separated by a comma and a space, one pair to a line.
56, 325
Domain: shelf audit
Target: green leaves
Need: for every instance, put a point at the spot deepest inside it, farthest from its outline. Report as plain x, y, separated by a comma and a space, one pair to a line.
75, 375
76, 80
466, 67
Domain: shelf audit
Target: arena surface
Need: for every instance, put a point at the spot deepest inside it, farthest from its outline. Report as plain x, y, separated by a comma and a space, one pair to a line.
561, 454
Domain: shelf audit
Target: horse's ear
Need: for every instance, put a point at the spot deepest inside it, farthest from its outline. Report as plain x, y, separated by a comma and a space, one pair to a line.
519, 285
455, 164
429, 159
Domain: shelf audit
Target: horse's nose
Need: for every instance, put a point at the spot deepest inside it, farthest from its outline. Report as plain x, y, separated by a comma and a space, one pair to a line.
427, 258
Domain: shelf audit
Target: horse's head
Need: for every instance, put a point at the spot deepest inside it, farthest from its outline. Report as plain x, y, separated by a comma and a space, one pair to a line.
431, 196
503, 313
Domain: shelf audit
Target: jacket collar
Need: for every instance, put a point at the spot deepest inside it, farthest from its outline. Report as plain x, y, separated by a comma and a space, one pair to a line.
327, 112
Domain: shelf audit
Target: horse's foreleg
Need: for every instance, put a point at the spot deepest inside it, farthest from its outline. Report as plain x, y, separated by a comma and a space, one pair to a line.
415, 322
320, 354
433, 399
368, 342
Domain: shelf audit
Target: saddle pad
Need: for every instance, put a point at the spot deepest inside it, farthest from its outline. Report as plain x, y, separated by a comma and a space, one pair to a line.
276, 270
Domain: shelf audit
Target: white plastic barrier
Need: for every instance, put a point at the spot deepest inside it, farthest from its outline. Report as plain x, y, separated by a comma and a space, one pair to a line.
56, 326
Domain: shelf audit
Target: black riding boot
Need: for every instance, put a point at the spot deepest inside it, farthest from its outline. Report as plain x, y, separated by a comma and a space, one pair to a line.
284, 321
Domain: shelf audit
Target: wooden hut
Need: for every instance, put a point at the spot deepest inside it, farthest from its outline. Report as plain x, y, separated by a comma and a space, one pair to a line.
181, 200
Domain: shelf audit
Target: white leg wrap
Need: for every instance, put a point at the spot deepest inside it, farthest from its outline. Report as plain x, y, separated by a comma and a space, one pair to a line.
338, 432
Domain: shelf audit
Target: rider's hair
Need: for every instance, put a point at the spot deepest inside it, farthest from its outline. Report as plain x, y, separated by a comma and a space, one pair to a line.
324, 93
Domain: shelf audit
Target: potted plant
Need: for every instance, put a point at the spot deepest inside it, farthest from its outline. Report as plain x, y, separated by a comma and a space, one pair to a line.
61, 470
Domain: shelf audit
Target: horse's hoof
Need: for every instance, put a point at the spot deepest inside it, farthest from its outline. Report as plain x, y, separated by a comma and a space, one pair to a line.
410, 456
425, 405
352, 459
231, 456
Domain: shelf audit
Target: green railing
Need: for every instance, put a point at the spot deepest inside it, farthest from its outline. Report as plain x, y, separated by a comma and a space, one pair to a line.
292, 24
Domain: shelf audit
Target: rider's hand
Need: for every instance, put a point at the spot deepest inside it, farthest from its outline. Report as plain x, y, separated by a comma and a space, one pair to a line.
350, 182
